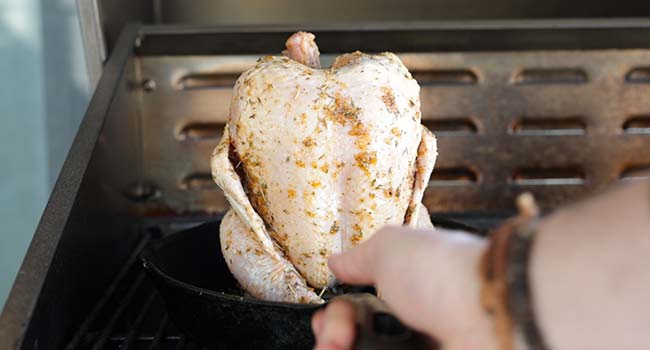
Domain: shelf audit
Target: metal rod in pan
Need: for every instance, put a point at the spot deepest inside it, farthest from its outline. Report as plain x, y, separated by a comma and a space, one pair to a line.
107, 296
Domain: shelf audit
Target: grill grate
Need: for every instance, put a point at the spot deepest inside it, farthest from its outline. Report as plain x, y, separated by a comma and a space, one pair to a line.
130, 315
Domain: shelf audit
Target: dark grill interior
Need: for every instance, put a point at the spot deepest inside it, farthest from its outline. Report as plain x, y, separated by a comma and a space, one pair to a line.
130, 314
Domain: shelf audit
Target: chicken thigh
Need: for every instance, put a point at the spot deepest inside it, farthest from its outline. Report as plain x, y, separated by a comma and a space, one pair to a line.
313, 161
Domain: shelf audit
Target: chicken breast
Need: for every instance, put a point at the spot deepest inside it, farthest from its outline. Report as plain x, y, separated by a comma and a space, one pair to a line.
313, 161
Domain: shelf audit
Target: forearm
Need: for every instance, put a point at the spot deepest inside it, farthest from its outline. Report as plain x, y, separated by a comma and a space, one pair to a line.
590, 272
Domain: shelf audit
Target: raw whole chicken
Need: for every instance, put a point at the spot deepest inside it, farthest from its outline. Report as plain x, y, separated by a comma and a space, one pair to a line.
313, 161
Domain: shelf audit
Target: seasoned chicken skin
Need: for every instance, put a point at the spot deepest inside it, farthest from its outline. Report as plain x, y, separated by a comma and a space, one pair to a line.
313, 161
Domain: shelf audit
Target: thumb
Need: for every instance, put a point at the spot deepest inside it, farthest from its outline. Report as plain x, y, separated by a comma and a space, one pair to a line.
357, 265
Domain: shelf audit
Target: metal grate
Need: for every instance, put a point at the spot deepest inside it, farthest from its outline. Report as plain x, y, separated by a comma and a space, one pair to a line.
130, 314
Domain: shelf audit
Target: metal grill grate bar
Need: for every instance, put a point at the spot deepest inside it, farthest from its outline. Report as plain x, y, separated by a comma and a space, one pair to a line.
160, 333
182, 343
106, 332
135, 314
135, 329
107, 296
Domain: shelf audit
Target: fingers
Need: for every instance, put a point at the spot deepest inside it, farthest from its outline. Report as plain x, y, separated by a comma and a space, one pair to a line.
357, 265
334, 326
317, 321
353, 267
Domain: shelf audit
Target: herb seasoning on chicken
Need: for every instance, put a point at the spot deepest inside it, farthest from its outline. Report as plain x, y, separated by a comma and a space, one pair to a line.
313, 161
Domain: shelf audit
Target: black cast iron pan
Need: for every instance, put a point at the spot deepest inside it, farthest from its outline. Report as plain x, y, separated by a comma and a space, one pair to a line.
204, 301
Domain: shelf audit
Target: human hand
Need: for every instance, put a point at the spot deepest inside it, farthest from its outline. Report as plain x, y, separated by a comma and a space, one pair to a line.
430, 279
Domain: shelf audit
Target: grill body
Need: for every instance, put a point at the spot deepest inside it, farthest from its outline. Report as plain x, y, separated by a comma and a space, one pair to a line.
558, 108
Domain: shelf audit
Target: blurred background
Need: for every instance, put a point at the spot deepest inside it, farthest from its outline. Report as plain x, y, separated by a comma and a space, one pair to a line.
48, 76
43, 96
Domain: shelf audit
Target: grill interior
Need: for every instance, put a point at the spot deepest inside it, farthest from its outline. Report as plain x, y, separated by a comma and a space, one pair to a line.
130, 315
560, 124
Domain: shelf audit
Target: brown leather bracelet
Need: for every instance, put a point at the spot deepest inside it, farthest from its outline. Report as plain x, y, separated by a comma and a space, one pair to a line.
506, 292
520, 299
494, 293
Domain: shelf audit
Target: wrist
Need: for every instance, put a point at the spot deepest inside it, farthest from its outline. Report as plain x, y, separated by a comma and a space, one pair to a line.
579, 251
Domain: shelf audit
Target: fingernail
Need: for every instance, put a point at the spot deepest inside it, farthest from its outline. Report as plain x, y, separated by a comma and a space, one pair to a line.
325, 334
328, 338
338, 327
